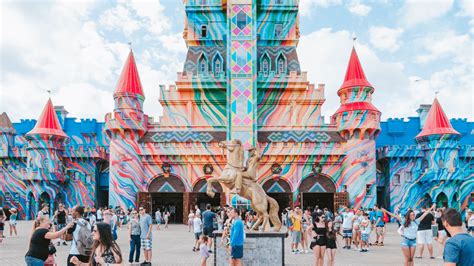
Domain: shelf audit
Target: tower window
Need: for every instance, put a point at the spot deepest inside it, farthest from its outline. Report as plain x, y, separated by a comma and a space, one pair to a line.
265, 66
278, 30
396, 179
203, 31
217, 66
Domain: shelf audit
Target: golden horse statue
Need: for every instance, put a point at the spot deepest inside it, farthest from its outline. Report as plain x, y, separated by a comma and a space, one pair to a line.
265, 206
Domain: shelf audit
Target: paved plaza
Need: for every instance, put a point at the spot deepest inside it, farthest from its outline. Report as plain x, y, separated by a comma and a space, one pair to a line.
173, 247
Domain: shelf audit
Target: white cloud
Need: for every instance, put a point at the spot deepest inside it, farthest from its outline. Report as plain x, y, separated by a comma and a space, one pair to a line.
307, 6
384, 38
119, 18
152, 14
447, 44
467, 8
422, 11
173, 42
357, 8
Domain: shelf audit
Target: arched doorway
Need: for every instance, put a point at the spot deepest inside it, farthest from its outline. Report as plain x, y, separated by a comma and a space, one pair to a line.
200, 198
167, 195
455, 201
424, 201
279, 190
317, 190
442, 200
45, 199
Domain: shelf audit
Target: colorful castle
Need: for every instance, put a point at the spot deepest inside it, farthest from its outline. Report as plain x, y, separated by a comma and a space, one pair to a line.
241, 80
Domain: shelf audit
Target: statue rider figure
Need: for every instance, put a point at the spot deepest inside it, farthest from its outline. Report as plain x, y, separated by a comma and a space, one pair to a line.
249, 171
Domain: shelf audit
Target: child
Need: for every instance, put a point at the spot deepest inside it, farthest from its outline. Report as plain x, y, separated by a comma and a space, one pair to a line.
203, 251
197, 228
365, 232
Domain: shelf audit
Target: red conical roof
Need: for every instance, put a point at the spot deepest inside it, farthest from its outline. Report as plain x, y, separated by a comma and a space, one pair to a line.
355, 74
436, 122
48, 122
129, 81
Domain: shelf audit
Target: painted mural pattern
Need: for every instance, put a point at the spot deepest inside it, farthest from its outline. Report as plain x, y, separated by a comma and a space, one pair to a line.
242, 80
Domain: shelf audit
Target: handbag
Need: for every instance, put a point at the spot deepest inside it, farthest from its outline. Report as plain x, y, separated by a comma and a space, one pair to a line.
51, 249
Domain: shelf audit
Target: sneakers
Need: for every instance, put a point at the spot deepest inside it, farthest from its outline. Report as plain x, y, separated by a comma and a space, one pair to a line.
194, 249
293, 252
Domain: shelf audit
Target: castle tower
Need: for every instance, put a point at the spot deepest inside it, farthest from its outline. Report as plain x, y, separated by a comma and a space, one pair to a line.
440, 143
7, 134
358, 121
45, 144
125, 126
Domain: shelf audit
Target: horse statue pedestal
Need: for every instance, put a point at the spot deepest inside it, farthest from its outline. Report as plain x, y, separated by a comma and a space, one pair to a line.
260, 248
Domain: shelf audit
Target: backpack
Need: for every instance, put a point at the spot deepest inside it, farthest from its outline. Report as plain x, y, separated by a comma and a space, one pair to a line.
84, 240
385, 217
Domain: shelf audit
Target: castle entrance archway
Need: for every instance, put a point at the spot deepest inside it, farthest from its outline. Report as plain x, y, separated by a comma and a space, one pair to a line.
279, 190
167, 194
200, 198
317, 190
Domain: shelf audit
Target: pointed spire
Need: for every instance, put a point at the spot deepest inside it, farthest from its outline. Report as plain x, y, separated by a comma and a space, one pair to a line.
5, 124
354, 74
48, 123
437, 123
129, 81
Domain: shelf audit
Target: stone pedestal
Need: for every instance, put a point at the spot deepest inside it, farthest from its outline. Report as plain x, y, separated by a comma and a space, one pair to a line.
260, 249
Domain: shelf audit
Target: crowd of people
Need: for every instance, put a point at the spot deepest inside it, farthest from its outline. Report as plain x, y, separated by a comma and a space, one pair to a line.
92, 234
319, 229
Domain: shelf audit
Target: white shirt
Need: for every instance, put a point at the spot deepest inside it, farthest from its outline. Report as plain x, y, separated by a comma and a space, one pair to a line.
99, 214
198, 211
470, 222
191, 216
365, 229
75, 235
158, 215
197, 224
347, 220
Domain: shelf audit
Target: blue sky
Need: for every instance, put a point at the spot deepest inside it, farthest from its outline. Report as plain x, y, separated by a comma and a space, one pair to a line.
408, 49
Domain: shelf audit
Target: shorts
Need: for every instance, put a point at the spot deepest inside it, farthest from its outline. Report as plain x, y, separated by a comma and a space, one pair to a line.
146, 243
470, 228
365, 238
346, 233
379, 230
13, 222
158, 221
197, 235
1, 226
60, 226
318, 241
296, 237
406, 242
424, 237
207, 231
237, 252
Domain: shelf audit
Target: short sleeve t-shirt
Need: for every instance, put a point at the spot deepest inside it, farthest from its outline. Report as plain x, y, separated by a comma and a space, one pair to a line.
145, 222
61, 217
208, 219
296, 220
459, 249
379, 217
425, 224
347, 220
39, 245
410, 231
197, 223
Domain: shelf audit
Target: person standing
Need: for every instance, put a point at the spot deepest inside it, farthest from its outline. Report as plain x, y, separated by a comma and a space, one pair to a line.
158, 218
134, 232
44, 211
408, 231
424, 235
12, 222
347, 221
296, 229
107, 215
331, 245
365, 229
146, 226
237, 236
190, 220
459, 249
208, 218
113, 224
379, 226
166, 217
81, 237
99, 215
197, 229
60, 216
470, 222
203, 251
38, 250
105, 250
318, 245
3, 218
